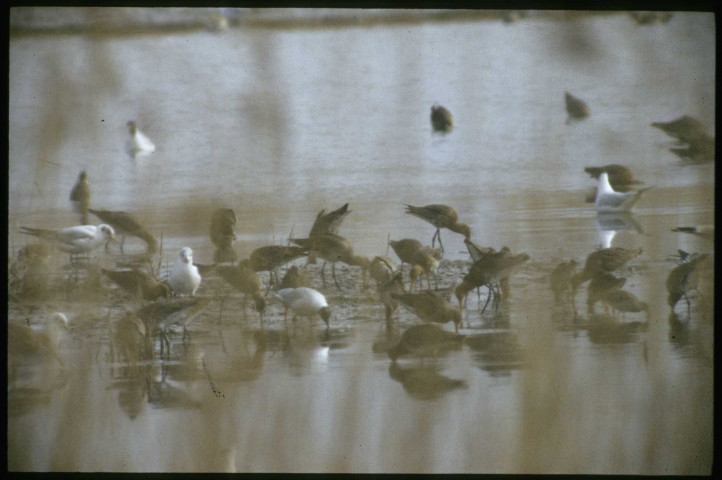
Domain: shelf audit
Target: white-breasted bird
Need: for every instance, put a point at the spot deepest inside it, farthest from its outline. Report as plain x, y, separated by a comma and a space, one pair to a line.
78, 239
305, 302
184, 278
610, 201
139, 144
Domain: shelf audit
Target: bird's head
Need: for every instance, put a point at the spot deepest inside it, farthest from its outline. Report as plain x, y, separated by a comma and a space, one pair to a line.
186, 255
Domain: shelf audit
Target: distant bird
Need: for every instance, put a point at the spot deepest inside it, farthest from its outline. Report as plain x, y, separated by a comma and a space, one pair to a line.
395, 285
703, 231
430, 306
80, 197
382, 269
620, 177
75, 240
576, 108
610, 201
139, 283
245, 280
335, 248
441, 118
160, 316
305, 302
685, 128
425, 261
125, 224
139, 144
622, 301
184, 277
440, 216
272, 257
425, 340
561, 280
682, 279
295, 277
405, 248
600, 285
38, 339
701, 150
601, 261
222, 233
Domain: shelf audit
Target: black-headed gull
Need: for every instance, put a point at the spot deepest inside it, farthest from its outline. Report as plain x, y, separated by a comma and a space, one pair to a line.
441, 118
440, 216
74, 240
305, 302
184, 277
610, 201
139, 144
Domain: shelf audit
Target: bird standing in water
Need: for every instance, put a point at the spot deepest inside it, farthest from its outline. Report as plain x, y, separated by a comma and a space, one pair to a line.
440, 216
184, 277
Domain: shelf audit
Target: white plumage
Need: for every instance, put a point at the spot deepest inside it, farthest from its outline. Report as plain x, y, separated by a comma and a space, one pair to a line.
78, 239
305, 302
184, 278
139, 143
610, 201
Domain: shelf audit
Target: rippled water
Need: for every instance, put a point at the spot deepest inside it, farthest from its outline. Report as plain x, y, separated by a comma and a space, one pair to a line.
280, 123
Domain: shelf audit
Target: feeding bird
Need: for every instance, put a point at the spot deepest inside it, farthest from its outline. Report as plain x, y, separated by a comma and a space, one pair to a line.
125, 224
139, 283
244, 279
222, 233
430, 306
305, 302
440, 216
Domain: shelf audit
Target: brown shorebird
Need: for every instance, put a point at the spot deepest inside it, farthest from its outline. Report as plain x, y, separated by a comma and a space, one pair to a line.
492, 271
139, 283
272, 257
576, 108
334, 248
440, 216
329, 222
295, 277
430, 307
405, 248
682, 279
80, 197
158, 317
441, 118
704, 231
561, 280
393, 285
622, 301
425, 340
685, 128
601, 261
600, 285
125, 224
382, 269
222, 233
244, 279
476, 252
38, 340
425, 261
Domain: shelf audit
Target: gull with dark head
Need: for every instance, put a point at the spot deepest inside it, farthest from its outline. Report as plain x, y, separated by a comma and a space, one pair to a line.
305, 302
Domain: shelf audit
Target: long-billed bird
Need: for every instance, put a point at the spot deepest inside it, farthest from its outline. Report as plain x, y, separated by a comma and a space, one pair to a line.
125, 224
440, 216
430, 306
244, 279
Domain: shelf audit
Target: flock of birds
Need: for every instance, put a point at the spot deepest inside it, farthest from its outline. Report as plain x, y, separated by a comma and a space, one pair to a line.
173, 301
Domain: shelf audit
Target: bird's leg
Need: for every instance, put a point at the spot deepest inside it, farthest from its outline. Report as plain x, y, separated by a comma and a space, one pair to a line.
333, 273
438, 234
323, 275
488, 297
122, 241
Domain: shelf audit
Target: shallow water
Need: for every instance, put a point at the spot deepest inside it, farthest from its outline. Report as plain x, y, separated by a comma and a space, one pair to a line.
278, 123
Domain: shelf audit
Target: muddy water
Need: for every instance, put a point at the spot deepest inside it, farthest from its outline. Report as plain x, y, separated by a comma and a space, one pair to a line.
279, 123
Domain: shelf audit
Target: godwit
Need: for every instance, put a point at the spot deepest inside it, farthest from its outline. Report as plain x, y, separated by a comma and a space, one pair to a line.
440, 216
334, 248
245, 280
561, 280
682, 279
125, 224
160, 316
601, 261
139, 283
424, 261
80, 197
222, 233
430, 307
685, 128
272, 257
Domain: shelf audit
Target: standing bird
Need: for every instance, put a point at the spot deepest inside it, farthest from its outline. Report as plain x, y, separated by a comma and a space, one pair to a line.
685, 129
271, 257
609, 200
425, 261
125, 224
139, 144
222, 233
430, 307
620, 177
139, 283
304, 302
701, 150
425, 340
160, 316
622, 301
440, 216
405, 248
441, 118
561, 280
245, 280
382, 269
335, 248
477, 252
329, 222
394, 284
576, 108
603, 261
682, 279
80, 197
75, 240
184, 277
600, 285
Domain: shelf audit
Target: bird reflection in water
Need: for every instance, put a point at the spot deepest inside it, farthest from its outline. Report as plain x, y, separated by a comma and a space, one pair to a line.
609, 223
424, 382
497, 352
606, 329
